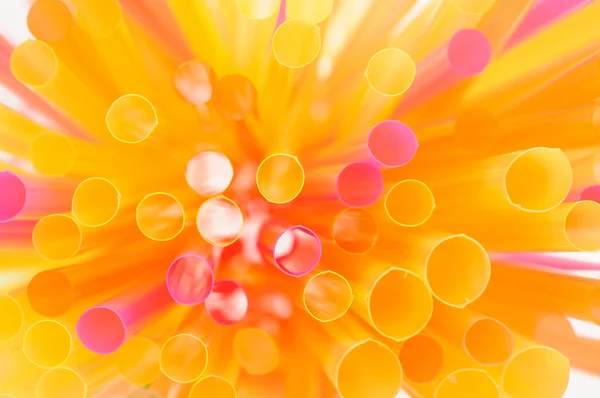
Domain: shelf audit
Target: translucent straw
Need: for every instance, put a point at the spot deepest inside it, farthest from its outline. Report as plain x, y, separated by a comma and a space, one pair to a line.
52, 154
131, 118
359, 184
47, 344
13, 195
160, 216
183, 358
12, 317
209, 173
194, 82
295, 250
392, 143
327, 296
280, 178
468, 383
255, 351
409, 203
220, 221
138, 361
355, 230
60, 383
213, 386
57, 237
422, 358
227, 303
190, 280
96, 202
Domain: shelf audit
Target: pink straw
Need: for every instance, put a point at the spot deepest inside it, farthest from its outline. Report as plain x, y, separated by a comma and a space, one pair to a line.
543, 14
103, 329
359, 184
227, 304
392, 143
590, 193
13, 195
467, 54
190, 280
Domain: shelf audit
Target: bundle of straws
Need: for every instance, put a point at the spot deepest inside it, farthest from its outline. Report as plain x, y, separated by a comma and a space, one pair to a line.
299, 198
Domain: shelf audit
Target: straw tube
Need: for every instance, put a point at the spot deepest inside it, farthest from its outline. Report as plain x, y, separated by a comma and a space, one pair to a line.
60, 382
183, 358
96, 202
280, 178
327, 296
56, 237
47, 343
13, 195
295, 250
35, 64
138, 361
160, 216
422, 358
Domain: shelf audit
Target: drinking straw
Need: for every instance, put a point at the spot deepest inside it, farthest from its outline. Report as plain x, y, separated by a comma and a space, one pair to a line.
359, 184
35, 64
255, 351
209, 173
234, 96
355, 230
486, 340
502, 20
280, 178
60, 382
543, 14
47, 343
312, 11
467, 54
495, 89
220, 221
388, 75
254, 24
183, 358
194, 82
392, 143
52, 154
13, 317
429, 254
547, 375
131, 118
13, 195
591, 193
198, 24
160, 216
473, 6
295, 250
51, 21
96, 202
559, 293
104, 22
138, 361
422, 358
467, 383
409, 203
213, 386
190, 280
327, 296
104, 328
227, 303
56, 237
356, 367
379, 289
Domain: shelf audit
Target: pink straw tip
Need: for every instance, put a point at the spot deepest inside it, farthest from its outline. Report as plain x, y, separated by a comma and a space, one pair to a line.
227, 304
392, 143
469, 52
590, 193
359, 184
101, 330
190, 280
297, 251
13, 195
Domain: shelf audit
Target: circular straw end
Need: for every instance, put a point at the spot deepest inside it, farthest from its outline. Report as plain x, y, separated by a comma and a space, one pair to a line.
467, 383
213, 386
189, 280
409, 203
13, 195
34, 63
183, 358
359, 184
297, 251
296, 43
280, 178
327, 296
392, 143
469, 52
47, 344
60, 383
366, 367
227, 304
56, 237
96, 202
390, 72
101, 330
422, 358
355, 231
